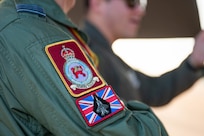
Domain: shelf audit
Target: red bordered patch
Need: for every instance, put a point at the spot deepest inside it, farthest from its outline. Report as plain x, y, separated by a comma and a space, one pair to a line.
99, 105
74, 68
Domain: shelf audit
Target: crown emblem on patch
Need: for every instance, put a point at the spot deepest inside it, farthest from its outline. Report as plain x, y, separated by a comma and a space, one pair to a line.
67, 53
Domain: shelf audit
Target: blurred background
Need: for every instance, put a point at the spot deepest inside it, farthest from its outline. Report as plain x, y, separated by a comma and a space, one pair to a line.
165, 39
169, 18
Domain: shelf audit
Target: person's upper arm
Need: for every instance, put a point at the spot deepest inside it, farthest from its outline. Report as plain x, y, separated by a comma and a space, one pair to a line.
40, 98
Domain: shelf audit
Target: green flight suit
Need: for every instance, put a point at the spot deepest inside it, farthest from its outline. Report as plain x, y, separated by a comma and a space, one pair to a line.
33, 99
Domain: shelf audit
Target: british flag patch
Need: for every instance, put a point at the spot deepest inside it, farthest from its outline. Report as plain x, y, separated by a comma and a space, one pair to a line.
99, 105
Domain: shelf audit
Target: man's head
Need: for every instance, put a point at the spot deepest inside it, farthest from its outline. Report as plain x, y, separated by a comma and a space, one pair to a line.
116, 18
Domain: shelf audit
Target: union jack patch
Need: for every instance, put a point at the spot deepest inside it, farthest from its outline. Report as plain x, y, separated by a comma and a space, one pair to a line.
99, 105
74, 68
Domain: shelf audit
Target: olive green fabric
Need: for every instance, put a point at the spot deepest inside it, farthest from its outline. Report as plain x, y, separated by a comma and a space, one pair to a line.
33, 99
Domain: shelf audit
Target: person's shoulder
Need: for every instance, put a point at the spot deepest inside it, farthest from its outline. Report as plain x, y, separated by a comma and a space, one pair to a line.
8, 14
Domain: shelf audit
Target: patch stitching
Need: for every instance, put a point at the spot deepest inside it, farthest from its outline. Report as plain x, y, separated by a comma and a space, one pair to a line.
90, 110
74, 68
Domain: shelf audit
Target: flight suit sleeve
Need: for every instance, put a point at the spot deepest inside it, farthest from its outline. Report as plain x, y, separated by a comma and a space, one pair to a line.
39, 100
138, 120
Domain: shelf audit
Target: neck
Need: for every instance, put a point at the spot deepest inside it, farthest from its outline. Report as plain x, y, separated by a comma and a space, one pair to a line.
100, 24
65, 5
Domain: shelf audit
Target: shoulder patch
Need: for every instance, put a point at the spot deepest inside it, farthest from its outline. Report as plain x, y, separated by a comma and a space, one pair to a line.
99, 105
74, 68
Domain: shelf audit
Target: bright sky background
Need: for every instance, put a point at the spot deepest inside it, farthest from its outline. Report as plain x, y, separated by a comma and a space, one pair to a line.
154, 56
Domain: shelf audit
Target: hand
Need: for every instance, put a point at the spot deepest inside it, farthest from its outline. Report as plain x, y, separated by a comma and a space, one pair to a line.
196, 58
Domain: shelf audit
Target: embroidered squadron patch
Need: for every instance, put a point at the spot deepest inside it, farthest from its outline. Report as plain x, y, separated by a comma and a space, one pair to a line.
74, 68
99, 105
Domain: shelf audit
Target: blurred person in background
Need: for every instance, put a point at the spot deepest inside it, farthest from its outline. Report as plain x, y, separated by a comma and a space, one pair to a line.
108, 20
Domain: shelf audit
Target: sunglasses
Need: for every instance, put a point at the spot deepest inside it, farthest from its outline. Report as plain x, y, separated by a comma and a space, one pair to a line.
133, 3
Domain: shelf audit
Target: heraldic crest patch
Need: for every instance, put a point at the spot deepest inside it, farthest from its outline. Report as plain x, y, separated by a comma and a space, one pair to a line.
74, 68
